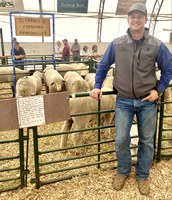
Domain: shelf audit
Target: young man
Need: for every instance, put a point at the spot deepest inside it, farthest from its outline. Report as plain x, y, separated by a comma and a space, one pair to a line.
135, 55
66, 51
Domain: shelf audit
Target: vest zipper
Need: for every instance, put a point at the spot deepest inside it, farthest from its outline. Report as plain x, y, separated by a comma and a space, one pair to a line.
134, 55
138, 60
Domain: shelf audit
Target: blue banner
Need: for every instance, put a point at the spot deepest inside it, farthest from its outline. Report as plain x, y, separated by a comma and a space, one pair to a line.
72, 6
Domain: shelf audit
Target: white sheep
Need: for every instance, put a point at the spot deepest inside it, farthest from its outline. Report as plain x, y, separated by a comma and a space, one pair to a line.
29, 85
111, 71
90, 78
80, 68
7, 76
85, 105
54, 82
108, 82
75, 83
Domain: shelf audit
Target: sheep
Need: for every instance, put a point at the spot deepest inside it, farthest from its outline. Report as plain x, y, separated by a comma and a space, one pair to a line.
108, 82
168, 93
54, 82
111, 71
29, 85
7, 76
90, 78
80, 68
75, 83
85, 105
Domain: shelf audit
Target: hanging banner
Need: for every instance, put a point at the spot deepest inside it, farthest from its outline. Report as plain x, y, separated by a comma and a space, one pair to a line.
9, 5
32, 26
72, 6
6, 5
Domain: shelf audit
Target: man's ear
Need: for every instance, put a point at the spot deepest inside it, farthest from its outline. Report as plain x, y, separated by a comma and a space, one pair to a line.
146, 20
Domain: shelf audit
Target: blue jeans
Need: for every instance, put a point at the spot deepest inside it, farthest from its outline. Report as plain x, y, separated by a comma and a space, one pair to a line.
146, 113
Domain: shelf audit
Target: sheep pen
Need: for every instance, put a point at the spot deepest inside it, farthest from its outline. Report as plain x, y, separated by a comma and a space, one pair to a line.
96, 185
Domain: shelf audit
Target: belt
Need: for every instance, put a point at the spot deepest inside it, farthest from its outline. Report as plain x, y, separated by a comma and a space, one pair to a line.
142, 97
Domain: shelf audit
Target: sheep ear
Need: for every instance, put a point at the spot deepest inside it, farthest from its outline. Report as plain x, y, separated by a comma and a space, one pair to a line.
31, 71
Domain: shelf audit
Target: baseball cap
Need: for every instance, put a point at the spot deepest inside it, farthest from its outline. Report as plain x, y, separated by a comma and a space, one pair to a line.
138, 7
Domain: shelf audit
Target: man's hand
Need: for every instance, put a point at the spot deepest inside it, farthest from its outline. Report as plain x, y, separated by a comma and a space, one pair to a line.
96, 93
153, 95
19, 56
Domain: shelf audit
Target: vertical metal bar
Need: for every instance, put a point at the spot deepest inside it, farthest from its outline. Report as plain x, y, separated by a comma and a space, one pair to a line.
160, 128
41, 11
36, 157
54, 53
91, 65
155, 136
27, 156
12, 53
2, 46
99, 118
21, 150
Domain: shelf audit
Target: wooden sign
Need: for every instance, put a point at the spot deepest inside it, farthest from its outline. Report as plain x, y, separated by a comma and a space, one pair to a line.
32, 26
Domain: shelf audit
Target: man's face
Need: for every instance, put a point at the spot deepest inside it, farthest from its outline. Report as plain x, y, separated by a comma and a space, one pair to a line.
137, 21
64, 42
16, 46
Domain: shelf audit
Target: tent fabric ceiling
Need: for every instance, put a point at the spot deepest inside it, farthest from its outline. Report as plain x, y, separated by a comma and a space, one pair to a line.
86, 26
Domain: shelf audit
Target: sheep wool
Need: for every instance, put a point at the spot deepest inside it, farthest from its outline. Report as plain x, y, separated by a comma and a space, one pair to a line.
29, 85
75, 83
54, 82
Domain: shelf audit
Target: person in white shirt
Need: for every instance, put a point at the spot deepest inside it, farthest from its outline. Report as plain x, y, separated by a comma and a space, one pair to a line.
85, 53
59, 50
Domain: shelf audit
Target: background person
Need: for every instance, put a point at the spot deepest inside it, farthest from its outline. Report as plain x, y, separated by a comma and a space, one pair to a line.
14, 39
85, 53
95, 54
59, 50
135, 55
19, 54
75, 50
66, 51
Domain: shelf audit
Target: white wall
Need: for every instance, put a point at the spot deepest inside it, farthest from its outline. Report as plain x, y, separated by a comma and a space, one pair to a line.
46, 48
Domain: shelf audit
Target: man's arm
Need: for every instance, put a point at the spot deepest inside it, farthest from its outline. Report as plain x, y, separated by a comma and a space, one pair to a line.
164, 61
107, 60
101, 72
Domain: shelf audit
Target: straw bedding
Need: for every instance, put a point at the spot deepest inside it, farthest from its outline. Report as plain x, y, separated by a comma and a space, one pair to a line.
98, 185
